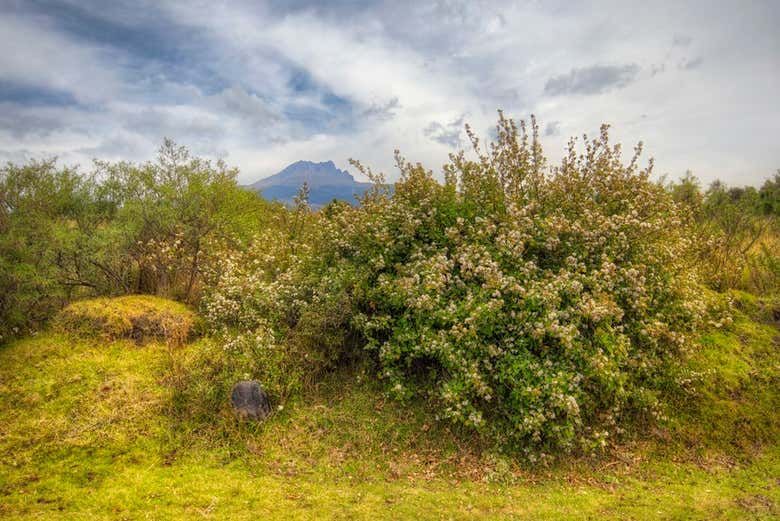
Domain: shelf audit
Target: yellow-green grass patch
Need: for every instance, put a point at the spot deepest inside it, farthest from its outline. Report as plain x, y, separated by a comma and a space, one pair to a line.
141, 318
87, 432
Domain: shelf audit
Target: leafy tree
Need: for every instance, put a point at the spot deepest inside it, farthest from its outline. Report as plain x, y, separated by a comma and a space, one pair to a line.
121, 228
769, 196
42, 212
172, 213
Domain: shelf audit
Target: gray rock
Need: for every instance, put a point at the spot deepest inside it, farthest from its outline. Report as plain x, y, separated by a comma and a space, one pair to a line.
249, 400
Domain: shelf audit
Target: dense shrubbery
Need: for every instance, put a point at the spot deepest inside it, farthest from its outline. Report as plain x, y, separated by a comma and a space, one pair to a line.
542, 307
122, 228
737, 232
280, 317
546, 308
42, 210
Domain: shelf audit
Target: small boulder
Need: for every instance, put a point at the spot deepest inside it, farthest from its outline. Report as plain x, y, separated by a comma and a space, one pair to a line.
250, 402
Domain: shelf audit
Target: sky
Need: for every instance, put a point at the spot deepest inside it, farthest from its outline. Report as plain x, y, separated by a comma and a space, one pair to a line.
263, 84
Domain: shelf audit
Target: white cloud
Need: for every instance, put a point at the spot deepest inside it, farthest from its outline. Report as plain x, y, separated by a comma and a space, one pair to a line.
34, 55
399, 74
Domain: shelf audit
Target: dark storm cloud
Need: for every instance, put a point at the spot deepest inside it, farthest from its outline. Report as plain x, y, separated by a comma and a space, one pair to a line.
592, 80
22, 121
113, 24
253, 108
333, 7
139, 36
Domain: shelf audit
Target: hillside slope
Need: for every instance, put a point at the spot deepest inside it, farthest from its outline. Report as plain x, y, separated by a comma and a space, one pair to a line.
88, 431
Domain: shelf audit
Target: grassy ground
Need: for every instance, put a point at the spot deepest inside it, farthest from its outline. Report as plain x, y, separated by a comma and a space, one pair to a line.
86, 431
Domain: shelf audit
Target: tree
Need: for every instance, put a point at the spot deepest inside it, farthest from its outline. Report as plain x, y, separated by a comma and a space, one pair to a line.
121, 228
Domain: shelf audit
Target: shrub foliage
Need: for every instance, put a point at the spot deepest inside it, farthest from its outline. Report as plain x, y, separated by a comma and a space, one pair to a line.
121, 228
737, 232
546, 307
541, 306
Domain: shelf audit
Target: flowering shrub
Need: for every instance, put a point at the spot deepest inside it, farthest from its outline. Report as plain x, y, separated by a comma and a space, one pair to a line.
264, 308
542, 306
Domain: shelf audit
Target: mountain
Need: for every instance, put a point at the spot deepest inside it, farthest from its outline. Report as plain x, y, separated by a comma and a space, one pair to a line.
326, 182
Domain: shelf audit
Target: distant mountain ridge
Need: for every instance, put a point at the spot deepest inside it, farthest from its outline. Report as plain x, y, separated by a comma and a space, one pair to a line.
325, 181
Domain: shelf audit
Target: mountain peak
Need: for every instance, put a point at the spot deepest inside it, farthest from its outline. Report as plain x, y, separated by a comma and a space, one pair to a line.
305, 163
326, 182
314, 174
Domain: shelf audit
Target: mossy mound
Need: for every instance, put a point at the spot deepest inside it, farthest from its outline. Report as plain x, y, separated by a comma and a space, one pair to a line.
142, 318
763, 308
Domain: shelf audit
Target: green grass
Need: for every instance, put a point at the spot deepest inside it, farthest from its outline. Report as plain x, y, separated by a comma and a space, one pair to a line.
88, 431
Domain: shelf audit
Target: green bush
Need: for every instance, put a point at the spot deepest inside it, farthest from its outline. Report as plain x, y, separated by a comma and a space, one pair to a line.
544, 307
121, 228
737, 233
42, 209
251, 302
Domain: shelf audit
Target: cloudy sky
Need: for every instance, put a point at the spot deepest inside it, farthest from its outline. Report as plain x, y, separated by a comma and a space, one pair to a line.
262, 84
